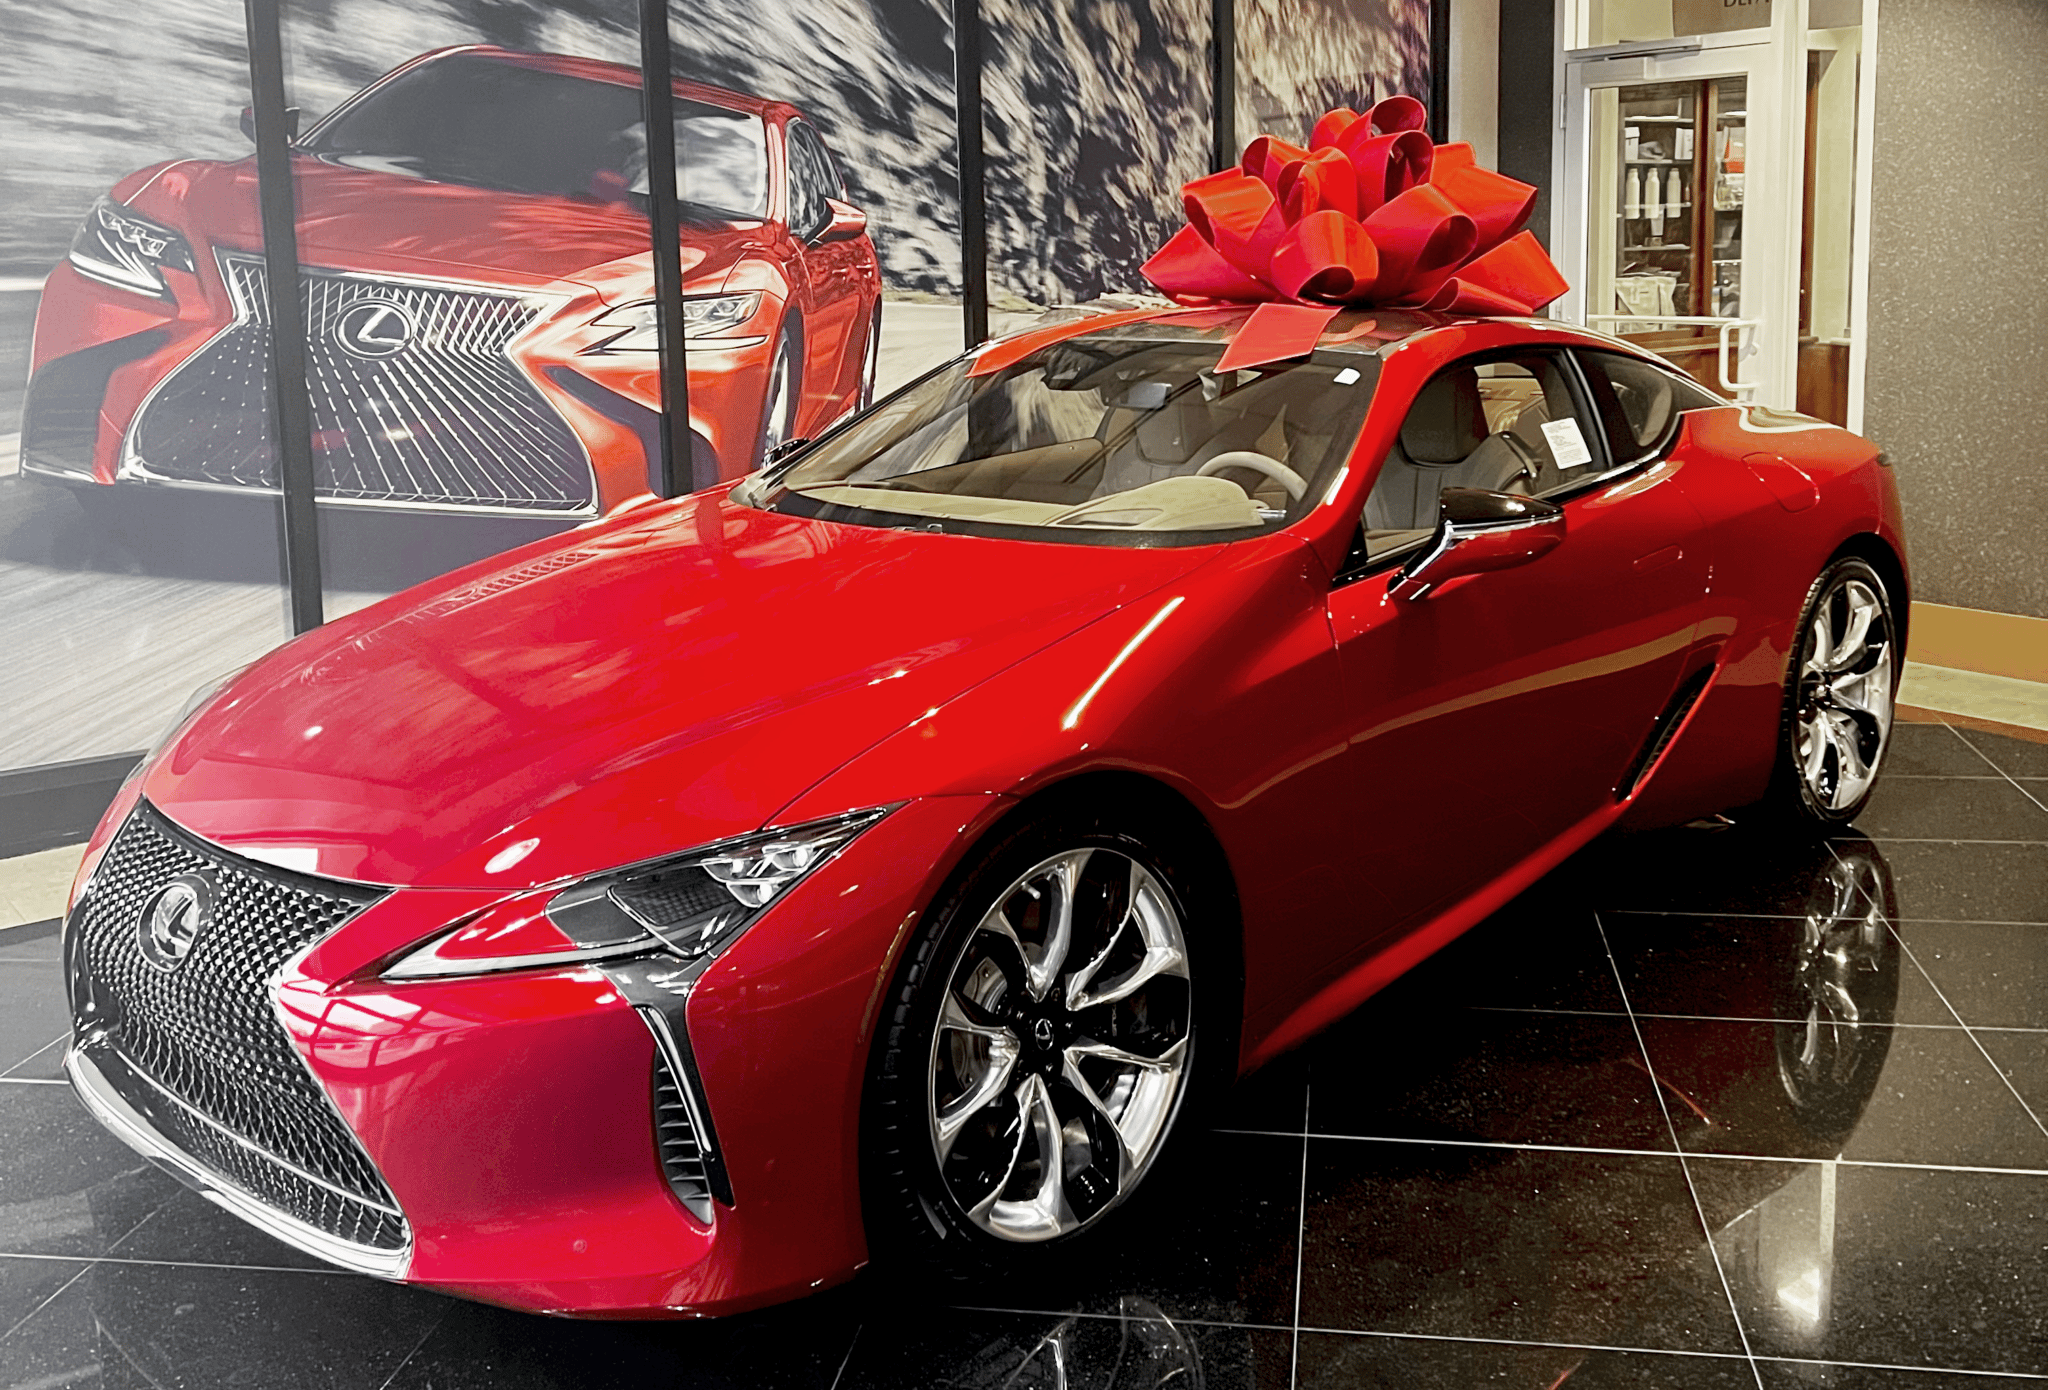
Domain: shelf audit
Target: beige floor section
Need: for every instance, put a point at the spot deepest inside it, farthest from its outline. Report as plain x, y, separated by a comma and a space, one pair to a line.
2000, 699
32, 886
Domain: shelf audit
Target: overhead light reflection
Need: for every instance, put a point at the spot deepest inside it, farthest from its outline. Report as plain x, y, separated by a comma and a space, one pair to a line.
1081, 705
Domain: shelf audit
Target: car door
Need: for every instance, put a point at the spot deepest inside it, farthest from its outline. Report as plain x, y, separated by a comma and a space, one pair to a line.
830, 284
1491, 716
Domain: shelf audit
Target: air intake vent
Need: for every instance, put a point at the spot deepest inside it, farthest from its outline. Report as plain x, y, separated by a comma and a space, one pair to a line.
675, 1135
1664, 730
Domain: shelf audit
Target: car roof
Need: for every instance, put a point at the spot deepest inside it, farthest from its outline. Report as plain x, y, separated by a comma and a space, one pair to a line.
619, 74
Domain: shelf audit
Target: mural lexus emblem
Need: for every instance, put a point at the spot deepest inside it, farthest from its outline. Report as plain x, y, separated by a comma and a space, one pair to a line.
172, 919
373, 328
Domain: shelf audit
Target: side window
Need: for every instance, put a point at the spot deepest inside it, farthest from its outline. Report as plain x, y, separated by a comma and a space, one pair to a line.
811, 181
1639, 403
1506, 424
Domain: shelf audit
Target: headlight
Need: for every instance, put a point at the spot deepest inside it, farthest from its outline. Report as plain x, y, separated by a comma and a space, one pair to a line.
118, 248
690, 905
704, 316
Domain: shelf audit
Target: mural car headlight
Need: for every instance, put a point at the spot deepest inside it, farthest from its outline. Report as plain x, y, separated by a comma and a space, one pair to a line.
129, 252
692, 905
704, 316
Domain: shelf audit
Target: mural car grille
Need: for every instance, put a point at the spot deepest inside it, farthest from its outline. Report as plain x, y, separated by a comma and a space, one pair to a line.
415, 400
197, 1048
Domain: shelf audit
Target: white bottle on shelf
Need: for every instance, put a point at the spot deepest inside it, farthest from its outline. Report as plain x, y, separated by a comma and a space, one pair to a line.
1632, 194
1674, 197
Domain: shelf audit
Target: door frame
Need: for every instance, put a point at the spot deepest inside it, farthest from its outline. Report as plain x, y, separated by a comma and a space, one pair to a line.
1786, 44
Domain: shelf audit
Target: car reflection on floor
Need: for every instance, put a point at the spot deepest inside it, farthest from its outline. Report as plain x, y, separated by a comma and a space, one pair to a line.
1696, 1097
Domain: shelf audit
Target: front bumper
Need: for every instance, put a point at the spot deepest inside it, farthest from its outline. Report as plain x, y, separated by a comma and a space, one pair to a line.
518, 1119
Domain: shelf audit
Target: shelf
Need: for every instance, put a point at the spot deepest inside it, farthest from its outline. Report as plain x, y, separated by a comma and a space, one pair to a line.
1659, 120
1657, 161
1667, 246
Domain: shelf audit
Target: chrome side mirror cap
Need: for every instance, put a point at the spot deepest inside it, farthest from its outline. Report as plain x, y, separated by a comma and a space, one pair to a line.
1478, 531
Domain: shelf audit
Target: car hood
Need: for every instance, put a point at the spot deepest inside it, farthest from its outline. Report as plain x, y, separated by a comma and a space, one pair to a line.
662, 680
365, 219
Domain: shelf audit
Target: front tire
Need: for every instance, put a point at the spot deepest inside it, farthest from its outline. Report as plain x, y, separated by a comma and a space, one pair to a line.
785, 392
1041, 1045
1839, 697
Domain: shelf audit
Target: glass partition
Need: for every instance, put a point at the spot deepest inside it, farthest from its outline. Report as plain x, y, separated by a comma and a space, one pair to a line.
129, 574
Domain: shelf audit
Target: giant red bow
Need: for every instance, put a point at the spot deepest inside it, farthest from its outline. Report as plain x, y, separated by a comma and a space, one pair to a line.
1370, 213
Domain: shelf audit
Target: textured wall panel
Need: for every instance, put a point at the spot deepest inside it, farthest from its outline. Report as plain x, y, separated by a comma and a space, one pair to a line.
1958, 309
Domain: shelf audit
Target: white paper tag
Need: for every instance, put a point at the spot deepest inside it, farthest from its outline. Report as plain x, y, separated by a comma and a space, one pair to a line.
1567, 445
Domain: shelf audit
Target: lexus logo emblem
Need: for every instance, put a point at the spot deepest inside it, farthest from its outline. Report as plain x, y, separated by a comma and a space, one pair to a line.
173, 919
373, 328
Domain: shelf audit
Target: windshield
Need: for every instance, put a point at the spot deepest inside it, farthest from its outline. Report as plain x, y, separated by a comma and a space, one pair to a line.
488, 123
1105, 437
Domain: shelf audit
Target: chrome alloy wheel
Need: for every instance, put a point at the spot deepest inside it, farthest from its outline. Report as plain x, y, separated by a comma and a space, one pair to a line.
1063, 1046
1847, 673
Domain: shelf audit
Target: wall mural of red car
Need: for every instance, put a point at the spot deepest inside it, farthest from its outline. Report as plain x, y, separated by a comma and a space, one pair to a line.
478, 287
885, 853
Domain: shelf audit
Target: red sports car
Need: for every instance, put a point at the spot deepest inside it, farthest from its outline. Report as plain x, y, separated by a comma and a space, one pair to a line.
479, 299
890, 852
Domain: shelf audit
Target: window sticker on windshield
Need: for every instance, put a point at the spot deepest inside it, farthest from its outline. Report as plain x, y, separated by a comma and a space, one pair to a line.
1567, 445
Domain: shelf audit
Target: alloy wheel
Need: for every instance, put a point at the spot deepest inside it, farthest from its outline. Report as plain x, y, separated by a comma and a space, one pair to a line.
1062, 1047
1847, 672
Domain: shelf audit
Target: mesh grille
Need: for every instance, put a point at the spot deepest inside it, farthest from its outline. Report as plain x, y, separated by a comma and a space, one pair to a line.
682, 1157
445, 419
203, 1035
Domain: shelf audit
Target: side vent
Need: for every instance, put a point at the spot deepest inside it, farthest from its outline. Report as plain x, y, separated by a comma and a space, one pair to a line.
682, 1130
1664, 730
675, 1136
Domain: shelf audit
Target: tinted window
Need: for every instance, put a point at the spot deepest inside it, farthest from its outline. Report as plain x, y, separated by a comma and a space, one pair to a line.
1094, 438
1506, 425
811, 181
1640, 402
490, 123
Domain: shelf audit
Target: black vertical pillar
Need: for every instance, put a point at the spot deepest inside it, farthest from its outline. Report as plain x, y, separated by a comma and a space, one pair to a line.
973, 207
1440, 70
658, 114
291, 407
1223, 83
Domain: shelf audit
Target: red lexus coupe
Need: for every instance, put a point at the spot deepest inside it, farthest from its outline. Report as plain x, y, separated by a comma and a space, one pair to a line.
479, 299
892, 851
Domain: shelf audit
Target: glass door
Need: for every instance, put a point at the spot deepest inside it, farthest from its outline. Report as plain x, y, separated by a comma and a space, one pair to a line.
1674, 215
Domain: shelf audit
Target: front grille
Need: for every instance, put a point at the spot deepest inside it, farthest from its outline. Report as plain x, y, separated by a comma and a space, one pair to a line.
446, 418
198, 1048
675, 1136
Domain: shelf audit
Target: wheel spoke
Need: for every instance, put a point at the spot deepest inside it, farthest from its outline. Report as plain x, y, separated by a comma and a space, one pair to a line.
963, 1015
1059, 937
981, 1209
1044, 1214
989, 1086
1823, 641
1145, 1104
1851, 649
1150, 915
1813, 755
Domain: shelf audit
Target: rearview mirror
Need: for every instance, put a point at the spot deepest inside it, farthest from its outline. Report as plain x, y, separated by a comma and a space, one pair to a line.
291, 123
1478, 531
847, 223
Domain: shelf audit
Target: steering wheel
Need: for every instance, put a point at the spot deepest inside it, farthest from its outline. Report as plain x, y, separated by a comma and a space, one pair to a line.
1290, 481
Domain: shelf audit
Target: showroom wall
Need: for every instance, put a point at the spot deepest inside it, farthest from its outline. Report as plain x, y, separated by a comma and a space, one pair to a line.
1958, 318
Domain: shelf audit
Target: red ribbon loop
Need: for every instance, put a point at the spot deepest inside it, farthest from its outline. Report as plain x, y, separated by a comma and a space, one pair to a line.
1369, 213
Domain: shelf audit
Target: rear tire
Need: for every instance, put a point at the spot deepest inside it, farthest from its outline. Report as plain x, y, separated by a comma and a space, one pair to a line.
1008, 1040
1839, 696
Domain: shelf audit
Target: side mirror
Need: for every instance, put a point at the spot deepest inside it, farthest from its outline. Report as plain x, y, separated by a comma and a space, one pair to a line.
1478, 531
291, 123
847, 222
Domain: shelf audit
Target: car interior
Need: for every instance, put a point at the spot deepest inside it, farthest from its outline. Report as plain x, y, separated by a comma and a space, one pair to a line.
1493, 425
1147, 437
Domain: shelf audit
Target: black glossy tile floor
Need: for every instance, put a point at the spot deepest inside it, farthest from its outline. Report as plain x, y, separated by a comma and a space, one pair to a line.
1697, 1111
